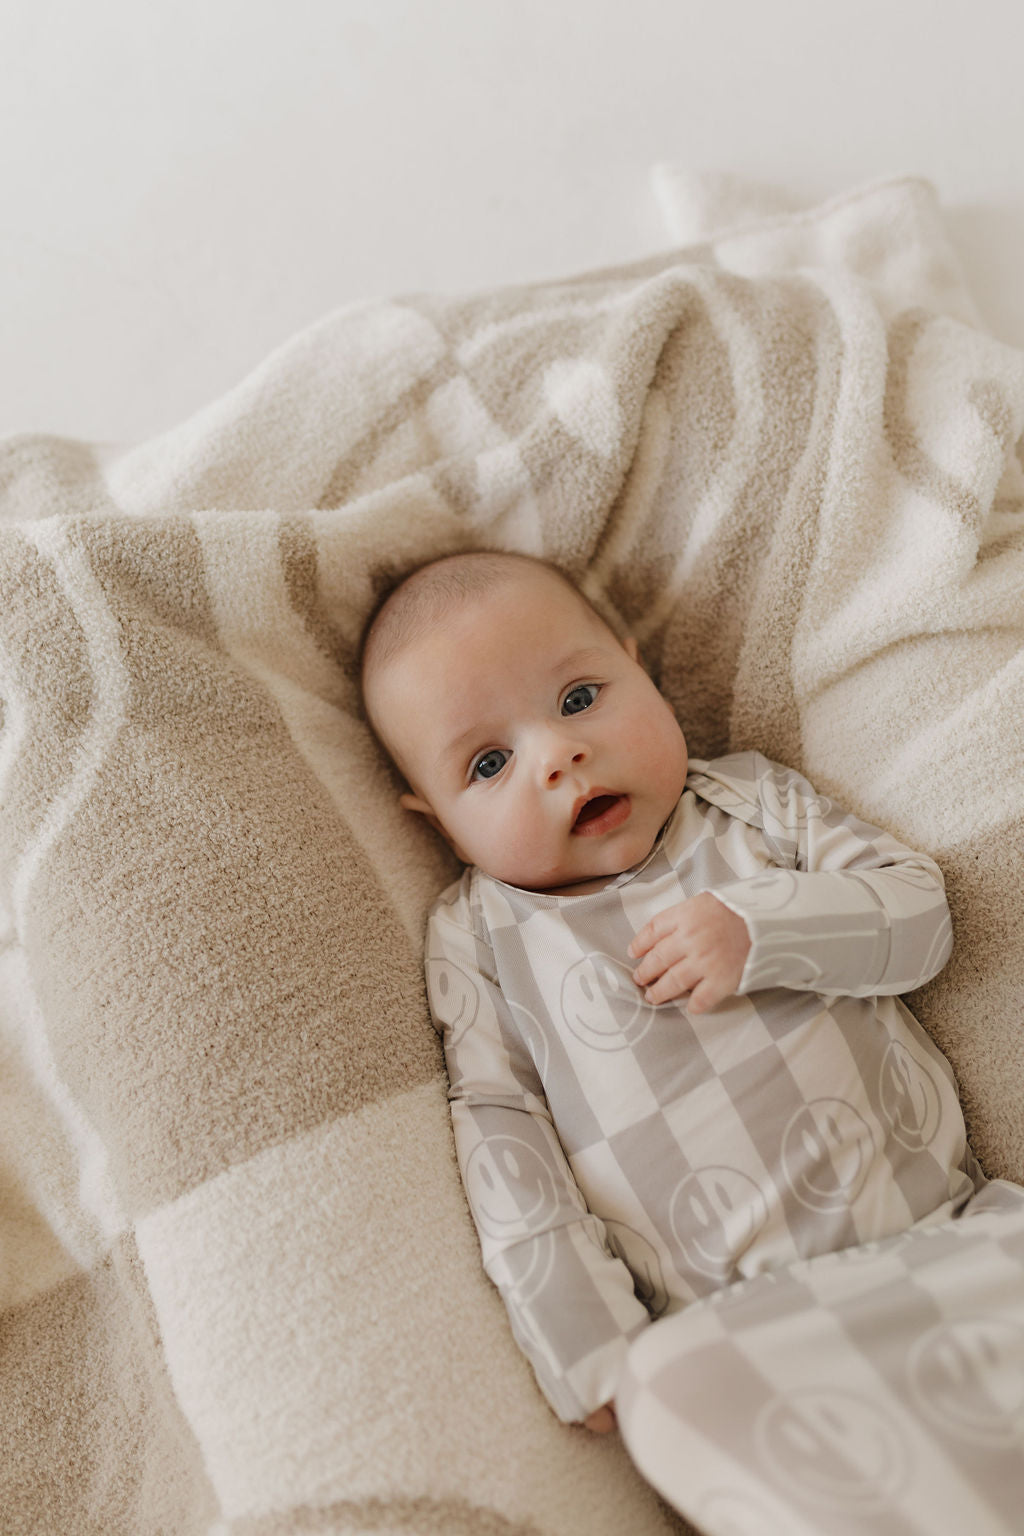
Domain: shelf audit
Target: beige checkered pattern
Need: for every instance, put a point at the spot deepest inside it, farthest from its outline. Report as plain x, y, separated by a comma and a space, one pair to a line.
621, 1159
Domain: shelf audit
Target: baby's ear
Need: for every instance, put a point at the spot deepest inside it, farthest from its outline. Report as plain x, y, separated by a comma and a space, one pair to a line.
424, 808
415, 803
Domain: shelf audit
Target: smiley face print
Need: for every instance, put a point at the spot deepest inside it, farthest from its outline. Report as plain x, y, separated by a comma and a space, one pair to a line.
910, 1097
833, 1448
511, 1188
716, 1214
827, 1152
968, 1377
602, 1005
454, 998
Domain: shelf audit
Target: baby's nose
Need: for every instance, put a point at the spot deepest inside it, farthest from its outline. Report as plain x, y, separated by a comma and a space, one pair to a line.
560, 760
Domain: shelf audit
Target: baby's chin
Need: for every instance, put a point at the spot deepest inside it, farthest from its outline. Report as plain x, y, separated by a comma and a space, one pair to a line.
588, 861
547, 881
567, 882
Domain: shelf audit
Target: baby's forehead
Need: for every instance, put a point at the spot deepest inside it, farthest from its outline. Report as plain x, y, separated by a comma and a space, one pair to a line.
541, 586
404, 639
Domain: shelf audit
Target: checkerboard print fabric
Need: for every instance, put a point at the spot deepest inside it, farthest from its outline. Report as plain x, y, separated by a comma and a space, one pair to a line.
879, 1390
621, 1159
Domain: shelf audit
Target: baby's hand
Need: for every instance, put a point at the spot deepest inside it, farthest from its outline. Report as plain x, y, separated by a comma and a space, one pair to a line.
602, 1421
698, 946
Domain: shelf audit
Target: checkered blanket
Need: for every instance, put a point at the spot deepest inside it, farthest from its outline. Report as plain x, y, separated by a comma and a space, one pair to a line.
240, 1291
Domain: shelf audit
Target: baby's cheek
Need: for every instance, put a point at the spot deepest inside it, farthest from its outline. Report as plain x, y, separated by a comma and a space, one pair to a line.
505, 840
661, 752
527, 844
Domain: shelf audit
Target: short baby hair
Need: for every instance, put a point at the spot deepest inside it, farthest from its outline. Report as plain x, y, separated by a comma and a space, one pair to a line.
423, 597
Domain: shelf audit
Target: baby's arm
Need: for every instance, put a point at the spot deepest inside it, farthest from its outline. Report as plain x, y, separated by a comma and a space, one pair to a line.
847, 908
571, 1303
850, 909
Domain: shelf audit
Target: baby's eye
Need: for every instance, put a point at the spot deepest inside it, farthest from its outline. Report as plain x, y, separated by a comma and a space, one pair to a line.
579, 698
491, 764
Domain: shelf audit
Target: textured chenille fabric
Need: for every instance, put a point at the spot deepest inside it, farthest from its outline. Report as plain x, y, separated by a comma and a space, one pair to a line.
240, 1291
623, 1159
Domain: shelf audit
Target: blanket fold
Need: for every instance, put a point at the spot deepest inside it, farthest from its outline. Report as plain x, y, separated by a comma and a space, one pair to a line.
234, 1250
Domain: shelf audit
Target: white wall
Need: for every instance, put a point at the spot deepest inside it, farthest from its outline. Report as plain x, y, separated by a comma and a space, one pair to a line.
187, 182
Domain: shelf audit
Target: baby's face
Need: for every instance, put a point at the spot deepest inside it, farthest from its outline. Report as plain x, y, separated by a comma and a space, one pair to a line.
532, 737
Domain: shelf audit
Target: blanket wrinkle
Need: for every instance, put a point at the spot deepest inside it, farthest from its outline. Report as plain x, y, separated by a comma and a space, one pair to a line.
789, 460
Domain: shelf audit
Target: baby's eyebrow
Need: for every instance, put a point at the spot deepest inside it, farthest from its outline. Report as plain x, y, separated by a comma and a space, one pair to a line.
457, 747
576, 661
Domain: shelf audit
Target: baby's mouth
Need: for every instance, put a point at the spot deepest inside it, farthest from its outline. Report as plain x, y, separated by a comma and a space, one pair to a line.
600, 814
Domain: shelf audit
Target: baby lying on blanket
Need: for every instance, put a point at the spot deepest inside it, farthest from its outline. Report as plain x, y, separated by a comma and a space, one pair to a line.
666, 988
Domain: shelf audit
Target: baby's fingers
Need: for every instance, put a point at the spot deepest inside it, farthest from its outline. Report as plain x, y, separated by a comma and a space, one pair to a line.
666, 952
651, 932
707, 995
675, 981
644, 941
602, 1421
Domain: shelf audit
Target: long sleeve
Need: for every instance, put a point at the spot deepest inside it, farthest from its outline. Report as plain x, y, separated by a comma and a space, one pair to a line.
571, 1302
849, 909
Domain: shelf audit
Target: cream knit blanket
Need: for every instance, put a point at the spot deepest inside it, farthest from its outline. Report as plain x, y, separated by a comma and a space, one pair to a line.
240, 1289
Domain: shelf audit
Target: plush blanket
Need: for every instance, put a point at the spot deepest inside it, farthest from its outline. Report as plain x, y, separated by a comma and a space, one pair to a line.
240, 1289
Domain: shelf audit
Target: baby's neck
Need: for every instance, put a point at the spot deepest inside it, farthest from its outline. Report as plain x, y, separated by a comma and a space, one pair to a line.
581, 887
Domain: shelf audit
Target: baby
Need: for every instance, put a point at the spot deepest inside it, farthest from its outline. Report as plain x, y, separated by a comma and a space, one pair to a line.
667, 988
